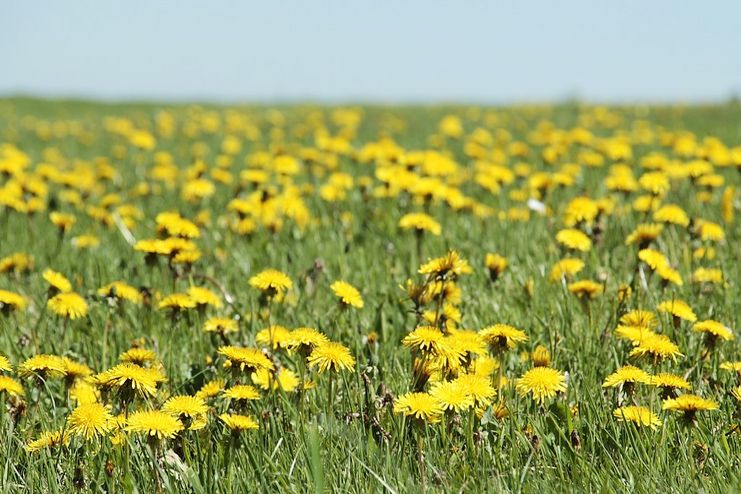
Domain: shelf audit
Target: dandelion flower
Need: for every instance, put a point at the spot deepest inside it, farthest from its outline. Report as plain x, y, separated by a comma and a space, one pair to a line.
12, 301
154, 424
542, 383
644, 234
496, 265
90, 421
204, 297
57, 281
211, 389
304, 340
627, 374
713, 329
238, 423
420, 222
246, 359
121, 291
177, 302
69, 305
46, 366
668, 383
242, 392
283, 379
657, 346
348, 294
452, 396
451, 264
677, 308
331, 356
541, 356
221, 325
689, 404
671, 213
585, 289
5, 364
131, 380
190, 410
502, 336
574, 239
138, 356
478, 387
566, 268
271, 282
421, 406
274, 336
48, 440
641, 416
11, 386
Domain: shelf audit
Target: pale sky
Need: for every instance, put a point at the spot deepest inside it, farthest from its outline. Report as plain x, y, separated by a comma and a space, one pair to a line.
372, 51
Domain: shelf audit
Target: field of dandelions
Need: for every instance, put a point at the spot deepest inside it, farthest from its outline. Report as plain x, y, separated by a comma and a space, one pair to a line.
380, 299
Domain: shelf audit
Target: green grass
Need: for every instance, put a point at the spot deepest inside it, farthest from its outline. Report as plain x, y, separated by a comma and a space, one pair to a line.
321, 447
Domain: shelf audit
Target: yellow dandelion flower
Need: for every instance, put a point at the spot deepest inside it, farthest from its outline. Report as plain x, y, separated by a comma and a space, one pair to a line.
451, 264
496, 265
452, 395
177, 302
242, 392
203, 297
47, 440
641, 416
5, 364
11, 386
707, 275
120, 291
138, 356
57, 281
677, 308
192, 411
211, 389
421, 406
671, 213
586, 289
627, 374
154, 424
90, 421
271, 282
284, 379
12, 301
348, 294
246, 359
644, 234
542, 383
69, 305
238, 423
657, 346
541, 356
222, 325
63, 221
714, 329
273, 336
331, 356
478, 387
304, 340
46, 366
131, 380
502, 336
574, 239
566, 268
420, 222
668, 381
689, 404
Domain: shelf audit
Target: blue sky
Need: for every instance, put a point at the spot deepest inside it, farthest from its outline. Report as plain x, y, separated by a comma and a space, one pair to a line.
381, 51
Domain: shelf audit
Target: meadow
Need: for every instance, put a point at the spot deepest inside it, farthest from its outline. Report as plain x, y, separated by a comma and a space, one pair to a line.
200, 298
